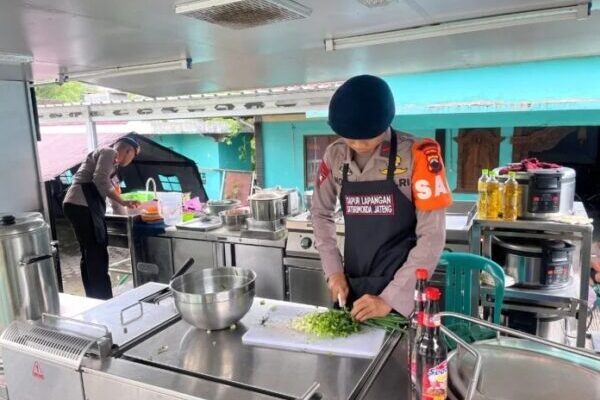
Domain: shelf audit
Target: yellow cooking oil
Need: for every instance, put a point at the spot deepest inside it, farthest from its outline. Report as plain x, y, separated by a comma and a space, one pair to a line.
493, 197
510, 208
482, 200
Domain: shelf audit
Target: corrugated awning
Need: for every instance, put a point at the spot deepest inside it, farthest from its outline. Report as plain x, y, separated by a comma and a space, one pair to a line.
60, 152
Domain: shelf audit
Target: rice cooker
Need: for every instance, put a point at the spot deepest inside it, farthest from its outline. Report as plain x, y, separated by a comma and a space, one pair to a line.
535, 263
545, 193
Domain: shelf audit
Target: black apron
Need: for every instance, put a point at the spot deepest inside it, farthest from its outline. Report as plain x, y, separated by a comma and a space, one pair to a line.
380, 223
97, 206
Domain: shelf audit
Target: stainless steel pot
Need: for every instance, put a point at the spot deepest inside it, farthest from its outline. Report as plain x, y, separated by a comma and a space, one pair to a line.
267, 206
214, 207
214, 298
234, 220
545, 193
535, 263
28, 286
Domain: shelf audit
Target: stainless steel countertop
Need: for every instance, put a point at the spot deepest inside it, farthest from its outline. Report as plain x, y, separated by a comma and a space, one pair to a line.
221, 356
172, 384
459, 218
222, 235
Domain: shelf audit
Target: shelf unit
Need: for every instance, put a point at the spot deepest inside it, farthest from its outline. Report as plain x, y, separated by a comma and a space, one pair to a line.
570, 301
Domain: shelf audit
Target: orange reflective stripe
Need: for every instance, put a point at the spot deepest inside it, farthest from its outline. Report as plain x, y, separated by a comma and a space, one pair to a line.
429, 184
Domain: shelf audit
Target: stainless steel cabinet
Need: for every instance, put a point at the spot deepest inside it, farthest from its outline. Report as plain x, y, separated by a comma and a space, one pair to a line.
155, 250
267, 262
306, 282
204, 253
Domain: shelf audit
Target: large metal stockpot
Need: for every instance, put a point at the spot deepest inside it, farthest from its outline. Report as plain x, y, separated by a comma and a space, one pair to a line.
267, 206
28, 286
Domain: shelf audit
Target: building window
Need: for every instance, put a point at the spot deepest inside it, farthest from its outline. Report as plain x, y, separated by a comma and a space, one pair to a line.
478, 148
314, 150
170, 183
66, 177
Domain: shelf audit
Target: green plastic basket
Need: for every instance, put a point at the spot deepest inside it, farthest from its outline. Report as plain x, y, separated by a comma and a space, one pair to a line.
140, 196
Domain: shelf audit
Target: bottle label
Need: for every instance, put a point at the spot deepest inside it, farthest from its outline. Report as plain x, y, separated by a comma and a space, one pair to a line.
433, 321
435, 382
420, 296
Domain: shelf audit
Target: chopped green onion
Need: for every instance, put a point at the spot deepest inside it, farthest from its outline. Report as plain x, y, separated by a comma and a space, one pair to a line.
339, 323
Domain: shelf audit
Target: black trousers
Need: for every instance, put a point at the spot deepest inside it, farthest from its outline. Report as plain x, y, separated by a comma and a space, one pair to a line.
94, 255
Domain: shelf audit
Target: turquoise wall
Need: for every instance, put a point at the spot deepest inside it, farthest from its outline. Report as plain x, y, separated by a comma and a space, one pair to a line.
210, 157
283, 144
548, 93
230, 156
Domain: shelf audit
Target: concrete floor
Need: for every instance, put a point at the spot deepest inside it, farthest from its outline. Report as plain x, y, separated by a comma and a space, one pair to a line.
70, 256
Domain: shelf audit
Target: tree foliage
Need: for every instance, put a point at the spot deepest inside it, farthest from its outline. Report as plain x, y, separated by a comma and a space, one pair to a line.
68, 92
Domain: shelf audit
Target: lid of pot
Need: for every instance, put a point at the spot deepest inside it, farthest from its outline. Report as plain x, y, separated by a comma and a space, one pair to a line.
267, 196
557, 245
523, 245
16, 224
535, 372
566, 173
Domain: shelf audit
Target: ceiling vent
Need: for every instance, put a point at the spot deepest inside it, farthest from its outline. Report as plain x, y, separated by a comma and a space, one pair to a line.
377, 3
242, 14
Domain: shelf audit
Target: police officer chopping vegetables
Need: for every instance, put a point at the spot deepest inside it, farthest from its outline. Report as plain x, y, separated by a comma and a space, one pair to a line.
393, 193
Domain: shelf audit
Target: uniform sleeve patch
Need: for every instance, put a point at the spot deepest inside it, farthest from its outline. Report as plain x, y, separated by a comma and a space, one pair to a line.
324, 172
430, 186
432, 155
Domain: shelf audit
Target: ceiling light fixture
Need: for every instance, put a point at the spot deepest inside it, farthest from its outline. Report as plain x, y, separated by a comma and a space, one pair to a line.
14, 58
185, 63
577, 12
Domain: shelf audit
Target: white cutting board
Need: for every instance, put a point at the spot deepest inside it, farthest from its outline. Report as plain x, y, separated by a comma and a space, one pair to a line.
277, 333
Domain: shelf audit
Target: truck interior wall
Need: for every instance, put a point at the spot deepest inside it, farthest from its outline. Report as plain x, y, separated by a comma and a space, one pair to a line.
19, 171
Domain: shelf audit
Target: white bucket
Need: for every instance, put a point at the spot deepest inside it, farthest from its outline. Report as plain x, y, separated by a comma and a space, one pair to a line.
170, 207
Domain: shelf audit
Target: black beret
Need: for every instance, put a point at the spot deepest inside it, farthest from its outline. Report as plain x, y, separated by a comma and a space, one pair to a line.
362, 108
130, 141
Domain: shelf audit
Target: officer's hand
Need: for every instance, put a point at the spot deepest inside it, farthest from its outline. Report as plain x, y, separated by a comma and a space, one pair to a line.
596, 270
338, 286
369, 306
132, 203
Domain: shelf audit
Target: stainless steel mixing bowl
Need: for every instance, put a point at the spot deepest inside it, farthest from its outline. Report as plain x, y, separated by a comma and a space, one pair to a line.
214, 298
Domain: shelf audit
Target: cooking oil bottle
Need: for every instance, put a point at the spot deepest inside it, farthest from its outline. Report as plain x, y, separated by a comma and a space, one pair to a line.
482, 201
493, 197
511, 195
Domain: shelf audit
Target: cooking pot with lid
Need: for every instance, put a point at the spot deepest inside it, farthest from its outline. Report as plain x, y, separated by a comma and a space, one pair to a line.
545, 193
28, 285
267, 206
535, 263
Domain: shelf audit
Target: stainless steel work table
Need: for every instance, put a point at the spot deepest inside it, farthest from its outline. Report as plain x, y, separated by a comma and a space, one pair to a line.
220, 356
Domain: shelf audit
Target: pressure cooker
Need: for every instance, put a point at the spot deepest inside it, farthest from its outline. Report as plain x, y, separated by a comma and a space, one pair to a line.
535, 263
545, 193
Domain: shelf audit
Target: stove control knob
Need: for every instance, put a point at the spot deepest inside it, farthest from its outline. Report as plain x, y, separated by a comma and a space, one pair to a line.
305, 243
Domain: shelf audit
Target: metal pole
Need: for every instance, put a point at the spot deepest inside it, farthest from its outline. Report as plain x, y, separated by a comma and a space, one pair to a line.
90, 127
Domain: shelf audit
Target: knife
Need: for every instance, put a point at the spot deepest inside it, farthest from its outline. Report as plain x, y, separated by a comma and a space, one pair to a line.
342, 303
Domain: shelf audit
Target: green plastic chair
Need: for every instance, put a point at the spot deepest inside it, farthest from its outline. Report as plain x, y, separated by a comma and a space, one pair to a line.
462, 291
